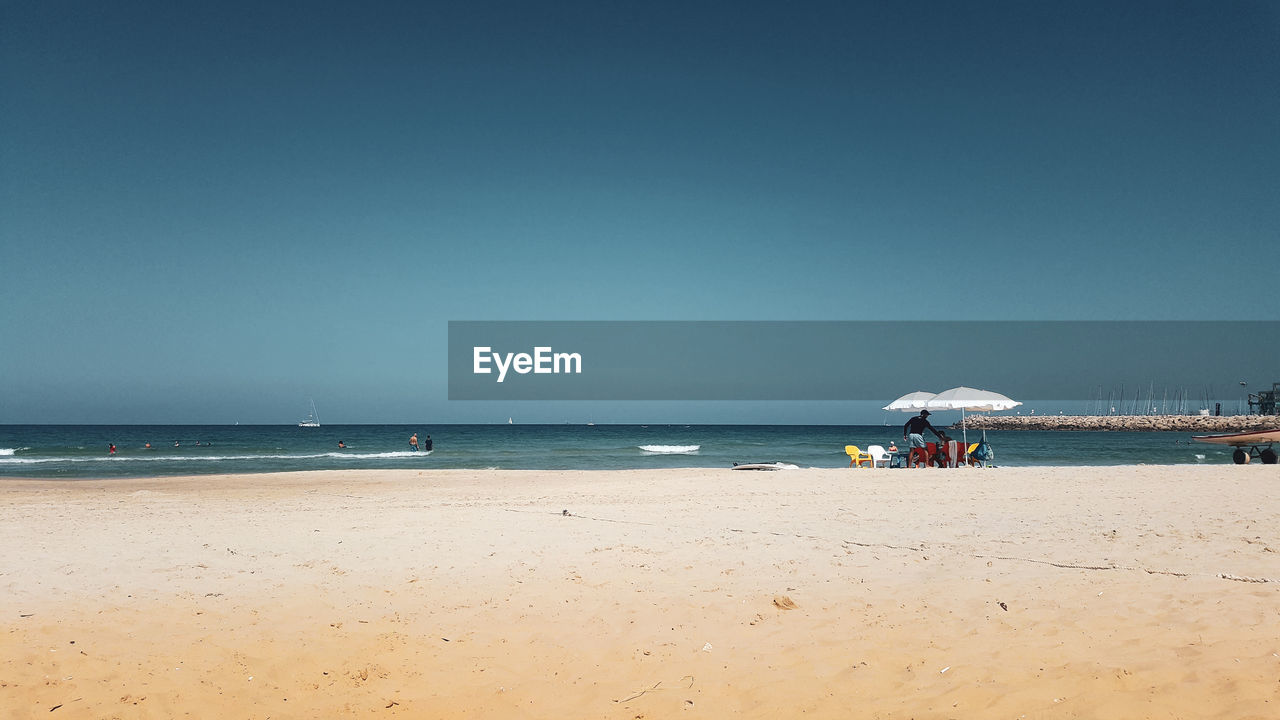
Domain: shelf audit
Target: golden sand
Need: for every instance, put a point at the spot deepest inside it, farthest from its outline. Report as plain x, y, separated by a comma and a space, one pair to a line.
1124, 592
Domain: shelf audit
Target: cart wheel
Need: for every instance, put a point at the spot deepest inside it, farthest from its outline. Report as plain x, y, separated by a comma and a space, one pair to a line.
1268, 457
1240, 456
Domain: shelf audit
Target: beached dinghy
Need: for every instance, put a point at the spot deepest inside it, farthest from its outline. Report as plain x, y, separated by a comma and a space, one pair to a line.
765, 466
1258, 441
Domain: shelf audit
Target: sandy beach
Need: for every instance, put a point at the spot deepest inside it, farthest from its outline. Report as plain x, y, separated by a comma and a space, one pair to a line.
1121, 592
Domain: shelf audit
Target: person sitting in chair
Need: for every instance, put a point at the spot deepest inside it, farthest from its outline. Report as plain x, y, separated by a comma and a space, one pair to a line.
951, 452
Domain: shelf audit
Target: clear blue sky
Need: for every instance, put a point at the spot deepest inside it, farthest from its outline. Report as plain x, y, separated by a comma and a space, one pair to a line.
214, 212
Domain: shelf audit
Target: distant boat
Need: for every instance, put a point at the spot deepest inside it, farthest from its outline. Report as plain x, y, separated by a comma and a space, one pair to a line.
313, 420
591, 424
509, 421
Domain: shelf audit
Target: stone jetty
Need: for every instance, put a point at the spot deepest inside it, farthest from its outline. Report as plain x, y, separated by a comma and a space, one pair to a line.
1133, 423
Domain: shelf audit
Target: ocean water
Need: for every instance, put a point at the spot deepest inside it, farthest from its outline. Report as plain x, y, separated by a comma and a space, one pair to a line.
80, 451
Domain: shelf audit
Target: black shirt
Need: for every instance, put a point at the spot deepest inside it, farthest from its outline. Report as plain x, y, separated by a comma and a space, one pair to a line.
917, 425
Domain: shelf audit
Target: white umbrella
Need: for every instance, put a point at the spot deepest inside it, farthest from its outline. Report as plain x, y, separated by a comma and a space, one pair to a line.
967, 398
918, 400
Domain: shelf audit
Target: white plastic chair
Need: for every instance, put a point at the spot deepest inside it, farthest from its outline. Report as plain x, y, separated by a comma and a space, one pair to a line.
879, 456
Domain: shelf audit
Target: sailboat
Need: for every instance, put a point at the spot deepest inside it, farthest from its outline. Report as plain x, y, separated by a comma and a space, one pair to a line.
312, 420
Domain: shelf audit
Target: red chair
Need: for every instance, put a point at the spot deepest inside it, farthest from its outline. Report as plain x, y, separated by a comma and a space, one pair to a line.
920, 454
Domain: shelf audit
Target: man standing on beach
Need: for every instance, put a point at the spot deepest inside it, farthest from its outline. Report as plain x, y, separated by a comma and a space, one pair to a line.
913, 432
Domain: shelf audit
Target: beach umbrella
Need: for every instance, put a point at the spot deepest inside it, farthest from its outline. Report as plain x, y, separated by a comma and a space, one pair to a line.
967, 398
912, 401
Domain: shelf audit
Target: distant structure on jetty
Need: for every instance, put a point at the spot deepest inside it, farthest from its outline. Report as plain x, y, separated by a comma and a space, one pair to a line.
1135, 423
1265, 401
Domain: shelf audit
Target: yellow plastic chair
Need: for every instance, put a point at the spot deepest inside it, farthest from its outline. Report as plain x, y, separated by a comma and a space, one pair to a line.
968, 455
857, 457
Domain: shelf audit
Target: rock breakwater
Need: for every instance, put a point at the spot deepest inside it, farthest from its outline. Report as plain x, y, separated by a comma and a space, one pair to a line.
1129, 423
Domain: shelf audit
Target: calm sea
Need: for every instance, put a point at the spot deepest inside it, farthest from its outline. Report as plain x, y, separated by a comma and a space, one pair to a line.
80, 451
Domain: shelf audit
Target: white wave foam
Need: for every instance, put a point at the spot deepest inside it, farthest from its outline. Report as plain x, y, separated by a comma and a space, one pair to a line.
215, 458
670, 449
5, 452
394, 454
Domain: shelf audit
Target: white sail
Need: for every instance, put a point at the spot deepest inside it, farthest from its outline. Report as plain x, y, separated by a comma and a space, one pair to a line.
313, 420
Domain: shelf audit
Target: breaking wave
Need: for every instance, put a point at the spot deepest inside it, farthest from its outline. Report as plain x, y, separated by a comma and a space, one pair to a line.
670, 449
213, 458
